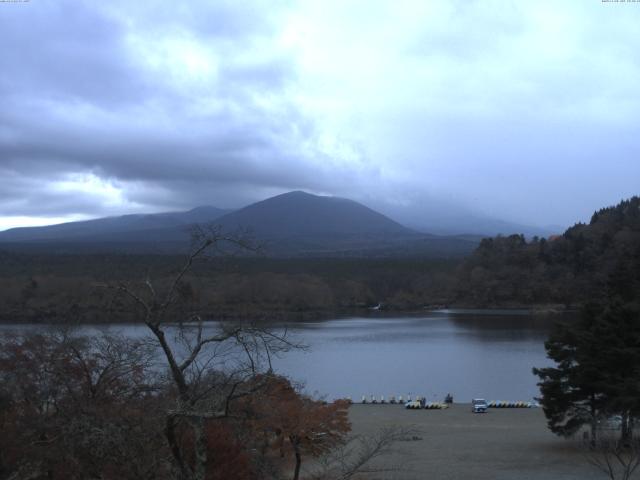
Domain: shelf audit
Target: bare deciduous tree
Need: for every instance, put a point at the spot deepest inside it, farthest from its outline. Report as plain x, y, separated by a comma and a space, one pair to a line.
615, 458
209, 365
76, 406
356, 458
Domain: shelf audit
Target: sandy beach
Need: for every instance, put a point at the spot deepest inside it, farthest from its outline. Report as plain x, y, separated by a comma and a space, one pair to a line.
455, 444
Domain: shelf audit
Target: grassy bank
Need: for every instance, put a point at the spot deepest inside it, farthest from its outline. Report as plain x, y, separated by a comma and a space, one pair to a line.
455, 444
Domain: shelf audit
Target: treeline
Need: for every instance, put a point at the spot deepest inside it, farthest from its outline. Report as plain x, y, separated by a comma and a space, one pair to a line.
63, 288
569, 269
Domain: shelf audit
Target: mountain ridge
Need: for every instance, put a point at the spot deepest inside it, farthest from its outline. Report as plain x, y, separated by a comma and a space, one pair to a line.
294, 223
329, 215
114, 224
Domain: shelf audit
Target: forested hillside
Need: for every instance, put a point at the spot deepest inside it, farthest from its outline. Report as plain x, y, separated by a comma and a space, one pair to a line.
566, 269
63, 288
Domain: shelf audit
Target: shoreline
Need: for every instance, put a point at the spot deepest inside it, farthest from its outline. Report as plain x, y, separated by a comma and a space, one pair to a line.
51, 318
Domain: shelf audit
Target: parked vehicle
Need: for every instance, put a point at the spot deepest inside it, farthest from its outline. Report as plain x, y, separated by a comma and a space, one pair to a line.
479, 405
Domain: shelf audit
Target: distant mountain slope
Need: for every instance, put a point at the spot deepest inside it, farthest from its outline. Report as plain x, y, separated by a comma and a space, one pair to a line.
122, 228
478, 225
301, 214
291, 224
441, 218
301, 224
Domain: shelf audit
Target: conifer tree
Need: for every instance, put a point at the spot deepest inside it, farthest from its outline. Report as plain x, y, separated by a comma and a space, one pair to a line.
598, 363
572, 392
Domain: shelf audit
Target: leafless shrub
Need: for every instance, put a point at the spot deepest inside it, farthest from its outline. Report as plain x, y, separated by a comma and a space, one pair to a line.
210, 365
360, 455
616, 459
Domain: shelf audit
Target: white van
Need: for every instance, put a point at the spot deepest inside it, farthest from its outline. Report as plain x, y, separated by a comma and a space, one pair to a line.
479, 405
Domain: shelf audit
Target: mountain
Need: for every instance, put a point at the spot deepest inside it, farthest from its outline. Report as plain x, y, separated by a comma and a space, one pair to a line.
303, 214
301, 224
126, 227
291, 224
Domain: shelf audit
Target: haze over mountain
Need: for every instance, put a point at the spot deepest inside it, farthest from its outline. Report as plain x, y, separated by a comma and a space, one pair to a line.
471, 224
295, 223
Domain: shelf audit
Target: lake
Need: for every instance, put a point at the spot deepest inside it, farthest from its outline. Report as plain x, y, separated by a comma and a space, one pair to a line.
468, 353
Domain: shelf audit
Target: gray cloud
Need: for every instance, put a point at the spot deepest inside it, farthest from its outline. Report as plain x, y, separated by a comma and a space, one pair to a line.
525, 112
108, 91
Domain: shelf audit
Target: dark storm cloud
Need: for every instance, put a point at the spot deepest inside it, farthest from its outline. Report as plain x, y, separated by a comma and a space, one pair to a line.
61, 51
211, 152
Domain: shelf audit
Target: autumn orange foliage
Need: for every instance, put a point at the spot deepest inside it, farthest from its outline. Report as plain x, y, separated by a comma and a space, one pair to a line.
231, 459
296, 425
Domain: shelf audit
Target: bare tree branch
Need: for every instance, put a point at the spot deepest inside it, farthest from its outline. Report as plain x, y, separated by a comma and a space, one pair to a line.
616, 459
358, 454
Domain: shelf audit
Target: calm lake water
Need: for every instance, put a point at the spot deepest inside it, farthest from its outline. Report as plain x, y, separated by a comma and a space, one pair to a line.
467, 353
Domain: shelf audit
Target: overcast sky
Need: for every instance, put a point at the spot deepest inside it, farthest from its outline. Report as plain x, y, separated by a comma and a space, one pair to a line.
522, 110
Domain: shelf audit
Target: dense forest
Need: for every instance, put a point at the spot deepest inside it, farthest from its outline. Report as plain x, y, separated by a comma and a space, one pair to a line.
509, 271
567, 269
62, 288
